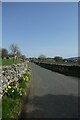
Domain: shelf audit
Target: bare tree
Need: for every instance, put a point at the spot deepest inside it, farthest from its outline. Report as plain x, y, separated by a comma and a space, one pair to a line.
42, 58
18, 54
23, 57
14, 49
4, 52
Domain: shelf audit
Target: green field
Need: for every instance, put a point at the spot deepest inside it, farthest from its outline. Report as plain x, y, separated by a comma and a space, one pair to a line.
8, 62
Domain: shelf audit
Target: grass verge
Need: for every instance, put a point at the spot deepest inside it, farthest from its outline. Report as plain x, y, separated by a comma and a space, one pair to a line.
12, 102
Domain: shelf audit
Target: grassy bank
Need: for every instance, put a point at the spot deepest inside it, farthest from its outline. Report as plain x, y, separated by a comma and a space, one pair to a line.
13, 98
8, 62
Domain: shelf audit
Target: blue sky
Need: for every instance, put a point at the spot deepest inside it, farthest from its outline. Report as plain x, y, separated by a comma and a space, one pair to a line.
41, 28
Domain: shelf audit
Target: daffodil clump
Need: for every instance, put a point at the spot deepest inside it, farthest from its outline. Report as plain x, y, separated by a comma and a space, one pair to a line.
28, 72
17, 89
24, 78
12, 92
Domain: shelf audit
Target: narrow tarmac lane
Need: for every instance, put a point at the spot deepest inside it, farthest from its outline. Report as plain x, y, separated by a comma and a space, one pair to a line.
52, 95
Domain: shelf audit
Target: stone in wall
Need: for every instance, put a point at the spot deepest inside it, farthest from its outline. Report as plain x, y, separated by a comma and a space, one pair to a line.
9, 74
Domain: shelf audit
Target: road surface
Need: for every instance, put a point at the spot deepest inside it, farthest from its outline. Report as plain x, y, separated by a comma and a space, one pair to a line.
52, 95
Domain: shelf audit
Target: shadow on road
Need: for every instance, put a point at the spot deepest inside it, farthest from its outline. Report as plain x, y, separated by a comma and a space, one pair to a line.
51, 106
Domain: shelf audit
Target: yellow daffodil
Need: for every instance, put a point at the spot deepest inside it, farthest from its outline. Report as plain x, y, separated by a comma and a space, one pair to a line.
12, 91
20, 94
9, 87
26, 77
23, 78
6, 91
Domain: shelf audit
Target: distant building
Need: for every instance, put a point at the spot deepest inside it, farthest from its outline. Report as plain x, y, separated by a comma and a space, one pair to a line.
11, 56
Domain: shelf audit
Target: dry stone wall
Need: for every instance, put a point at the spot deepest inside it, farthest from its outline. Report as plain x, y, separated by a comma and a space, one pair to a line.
71, 70
9, 74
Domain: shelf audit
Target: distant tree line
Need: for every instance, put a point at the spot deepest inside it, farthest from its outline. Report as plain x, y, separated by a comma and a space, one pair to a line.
56, 59
43, 58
